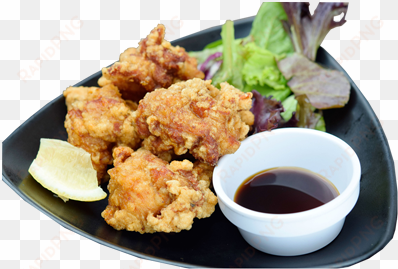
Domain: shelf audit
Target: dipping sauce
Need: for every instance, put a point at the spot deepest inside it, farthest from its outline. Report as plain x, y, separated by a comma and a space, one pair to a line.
284, 190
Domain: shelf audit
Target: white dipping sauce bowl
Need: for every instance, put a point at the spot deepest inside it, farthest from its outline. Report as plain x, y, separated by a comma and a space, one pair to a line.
296, 233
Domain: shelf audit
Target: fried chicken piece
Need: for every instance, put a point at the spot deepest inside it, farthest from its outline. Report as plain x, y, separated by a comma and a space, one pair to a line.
74, 94
147, 195
97, 119
78, 136
195, 116
154, 64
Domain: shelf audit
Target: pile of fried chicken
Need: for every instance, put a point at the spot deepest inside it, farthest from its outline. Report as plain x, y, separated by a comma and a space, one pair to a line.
163, 128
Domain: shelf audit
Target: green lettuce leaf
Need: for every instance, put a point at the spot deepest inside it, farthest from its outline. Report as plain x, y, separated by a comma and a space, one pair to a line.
214, 44
233, 60
261, 68
265, 90
301, 114
290, 106
321, 125
267, 30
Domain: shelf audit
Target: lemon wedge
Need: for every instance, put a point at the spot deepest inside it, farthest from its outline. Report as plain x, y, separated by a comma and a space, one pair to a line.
66, 171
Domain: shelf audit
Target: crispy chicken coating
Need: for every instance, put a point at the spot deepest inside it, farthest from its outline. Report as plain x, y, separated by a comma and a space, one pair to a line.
97, 119
195, 116
154, 64
155, 145
147, 195
204, 171
78, 136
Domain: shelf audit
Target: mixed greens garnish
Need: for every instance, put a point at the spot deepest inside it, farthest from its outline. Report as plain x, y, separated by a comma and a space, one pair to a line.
276, 62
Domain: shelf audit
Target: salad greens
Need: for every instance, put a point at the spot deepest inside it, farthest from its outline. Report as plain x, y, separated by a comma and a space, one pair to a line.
214, 44
307, 118
275, 63
290, 106
295, 111
324, 88
267, 112
203, 55
211, 65
267, 30
261, 68
233, 61
265, 90
307, 32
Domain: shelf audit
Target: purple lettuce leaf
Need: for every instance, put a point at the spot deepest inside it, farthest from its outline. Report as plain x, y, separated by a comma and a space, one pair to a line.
267, 112
211, 65
292, 122
307, 32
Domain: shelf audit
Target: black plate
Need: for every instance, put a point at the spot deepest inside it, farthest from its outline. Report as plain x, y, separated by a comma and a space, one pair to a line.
215, 242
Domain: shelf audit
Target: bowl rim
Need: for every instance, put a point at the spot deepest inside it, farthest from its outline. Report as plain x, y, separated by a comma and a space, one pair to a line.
315, 212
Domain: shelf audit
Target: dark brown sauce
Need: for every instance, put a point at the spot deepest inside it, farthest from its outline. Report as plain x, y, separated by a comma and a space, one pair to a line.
284, 190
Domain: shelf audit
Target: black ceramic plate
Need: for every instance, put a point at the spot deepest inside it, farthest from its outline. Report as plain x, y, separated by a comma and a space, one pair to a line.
215, 242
